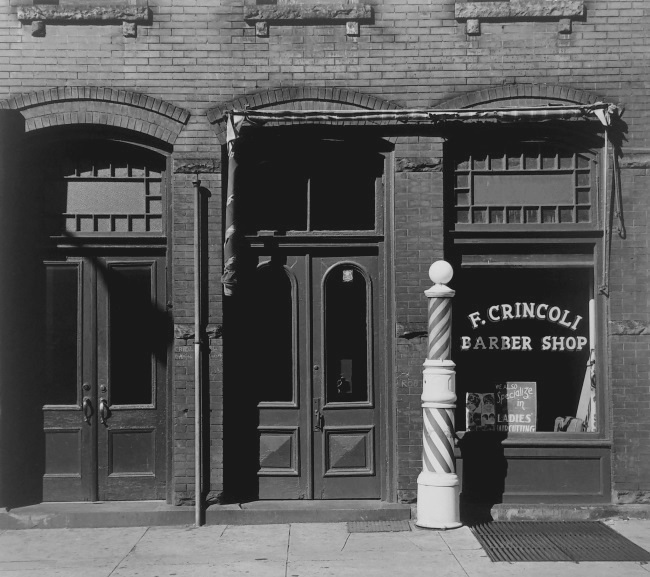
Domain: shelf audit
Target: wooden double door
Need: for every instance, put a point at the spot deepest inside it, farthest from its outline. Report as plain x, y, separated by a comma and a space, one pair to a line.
105, 356
318, 353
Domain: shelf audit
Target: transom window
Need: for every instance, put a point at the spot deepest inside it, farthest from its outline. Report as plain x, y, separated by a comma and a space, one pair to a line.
528, 183
310, 188
105, 188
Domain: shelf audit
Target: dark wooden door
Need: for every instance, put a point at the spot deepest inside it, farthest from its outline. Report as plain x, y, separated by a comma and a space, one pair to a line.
68, 388
105, 429
346, 343
319, 435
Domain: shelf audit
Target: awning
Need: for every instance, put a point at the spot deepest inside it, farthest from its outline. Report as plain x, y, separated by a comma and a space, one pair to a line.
419, 116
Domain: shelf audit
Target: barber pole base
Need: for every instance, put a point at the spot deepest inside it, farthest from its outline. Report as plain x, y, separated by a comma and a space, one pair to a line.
438, 485
438, 498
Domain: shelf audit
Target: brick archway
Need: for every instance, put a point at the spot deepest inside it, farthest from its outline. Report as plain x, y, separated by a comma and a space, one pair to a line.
297, 98
520, 95
76, 105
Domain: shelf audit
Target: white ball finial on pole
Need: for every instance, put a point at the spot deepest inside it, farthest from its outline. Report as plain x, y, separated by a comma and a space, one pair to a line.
438, 486
440, 272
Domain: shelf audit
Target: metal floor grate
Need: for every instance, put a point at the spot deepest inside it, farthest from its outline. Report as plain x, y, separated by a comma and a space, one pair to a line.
556, 541
377, 526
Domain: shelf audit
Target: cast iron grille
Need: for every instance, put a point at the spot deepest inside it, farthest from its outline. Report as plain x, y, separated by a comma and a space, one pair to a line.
517, 541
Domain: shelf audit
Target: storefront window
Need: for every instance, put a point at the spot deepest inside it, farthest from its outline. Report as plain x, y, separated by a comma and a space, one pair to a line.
523, 350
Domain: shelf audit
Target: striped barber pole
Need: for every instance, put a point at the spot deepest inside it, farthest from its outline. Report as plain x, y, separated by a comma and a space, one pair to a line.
439, 329
438, 447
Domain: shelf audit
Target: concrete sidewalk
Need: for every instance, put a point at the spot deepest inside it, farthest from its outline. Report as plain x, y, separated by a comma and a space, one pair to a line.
295, 550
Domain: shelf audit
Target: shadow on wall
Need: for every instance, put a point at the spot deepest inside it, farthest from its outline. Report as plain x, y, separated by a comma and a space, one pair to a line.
484, 470
242, 373
21, 326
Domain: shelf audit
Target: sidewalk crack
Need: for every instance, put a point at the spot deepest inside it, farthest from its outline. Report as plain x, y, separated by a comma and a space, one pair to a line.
452, 554
286, 561
129, 552
346, 541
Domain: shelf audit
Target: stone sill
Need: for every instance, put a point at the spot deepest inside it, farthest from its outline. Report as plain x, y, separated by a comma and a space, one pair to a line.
127, 14
563, 10
303, 14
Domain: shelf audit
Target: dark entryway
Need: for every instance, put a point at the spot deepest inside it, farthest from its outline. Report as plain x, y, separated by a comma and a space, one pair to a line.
305, 340
105, 322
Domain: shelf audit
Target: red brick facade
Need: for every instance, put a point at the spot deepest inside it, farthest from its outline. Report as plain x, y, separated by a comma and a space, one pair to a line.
194, 59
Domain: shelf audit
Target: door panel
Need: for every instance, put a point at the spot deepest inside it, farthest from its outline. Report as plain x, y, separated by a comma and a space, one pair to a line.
104, 422
131, 346
344, 337
69, 436
280, 312
317, 319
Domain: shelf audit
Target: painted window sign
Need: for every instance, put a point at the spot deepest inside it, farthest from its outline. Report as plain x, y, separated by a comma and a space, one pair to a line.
537, 311
529, 326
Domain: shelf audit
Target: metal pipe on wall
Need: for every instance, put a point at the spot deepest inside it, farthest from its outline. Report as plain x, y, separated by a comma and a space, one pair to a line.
197, 353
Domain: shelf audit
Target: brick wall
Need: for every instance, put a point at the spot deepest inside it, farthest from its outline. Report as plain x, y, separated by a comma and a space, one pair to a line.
197, 54
630, 339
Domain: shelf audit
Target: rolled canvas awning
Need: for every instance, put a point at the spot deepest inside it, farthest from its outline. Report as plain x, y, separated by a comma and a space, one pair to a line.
237, 119
423, 116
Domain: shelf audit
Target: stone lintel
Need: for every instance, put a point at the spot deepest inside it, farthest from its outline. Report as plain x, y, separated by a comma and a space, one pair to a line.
411, 330
197, 165
408, 164
75, 13
629, 328
635, 160
308, 12
186, 331
522, 9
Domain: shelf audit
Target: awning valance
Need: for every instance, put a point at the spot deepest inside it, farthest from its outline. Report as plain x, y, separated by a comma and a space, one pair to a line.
420, 116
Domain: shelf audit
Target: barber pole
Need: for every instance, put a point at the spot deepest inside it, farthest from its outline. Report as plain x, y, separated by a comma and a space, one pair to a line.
438, 486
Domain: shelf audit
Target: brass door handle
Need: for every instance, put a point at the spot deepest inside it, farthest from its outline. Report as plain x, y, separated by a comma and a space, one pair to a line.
87, 408
103, 411
317, 422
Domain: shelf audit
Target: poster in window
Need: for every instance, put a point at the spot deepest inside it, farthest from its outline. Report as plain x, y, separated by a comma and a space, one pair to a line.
480, 414
516, 407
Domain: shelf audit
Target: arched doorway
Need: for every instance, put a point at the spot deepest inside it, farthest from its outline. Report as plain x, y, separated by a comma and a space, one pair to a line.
105, 326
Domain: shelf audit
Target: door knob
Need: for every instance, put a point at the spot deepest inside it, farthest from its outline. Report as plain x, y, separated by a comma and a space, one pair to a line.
103, 411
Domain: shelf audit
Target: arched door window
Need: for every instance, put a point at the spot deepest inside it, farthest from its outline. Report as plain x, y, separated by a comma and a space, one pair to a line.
347, 335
